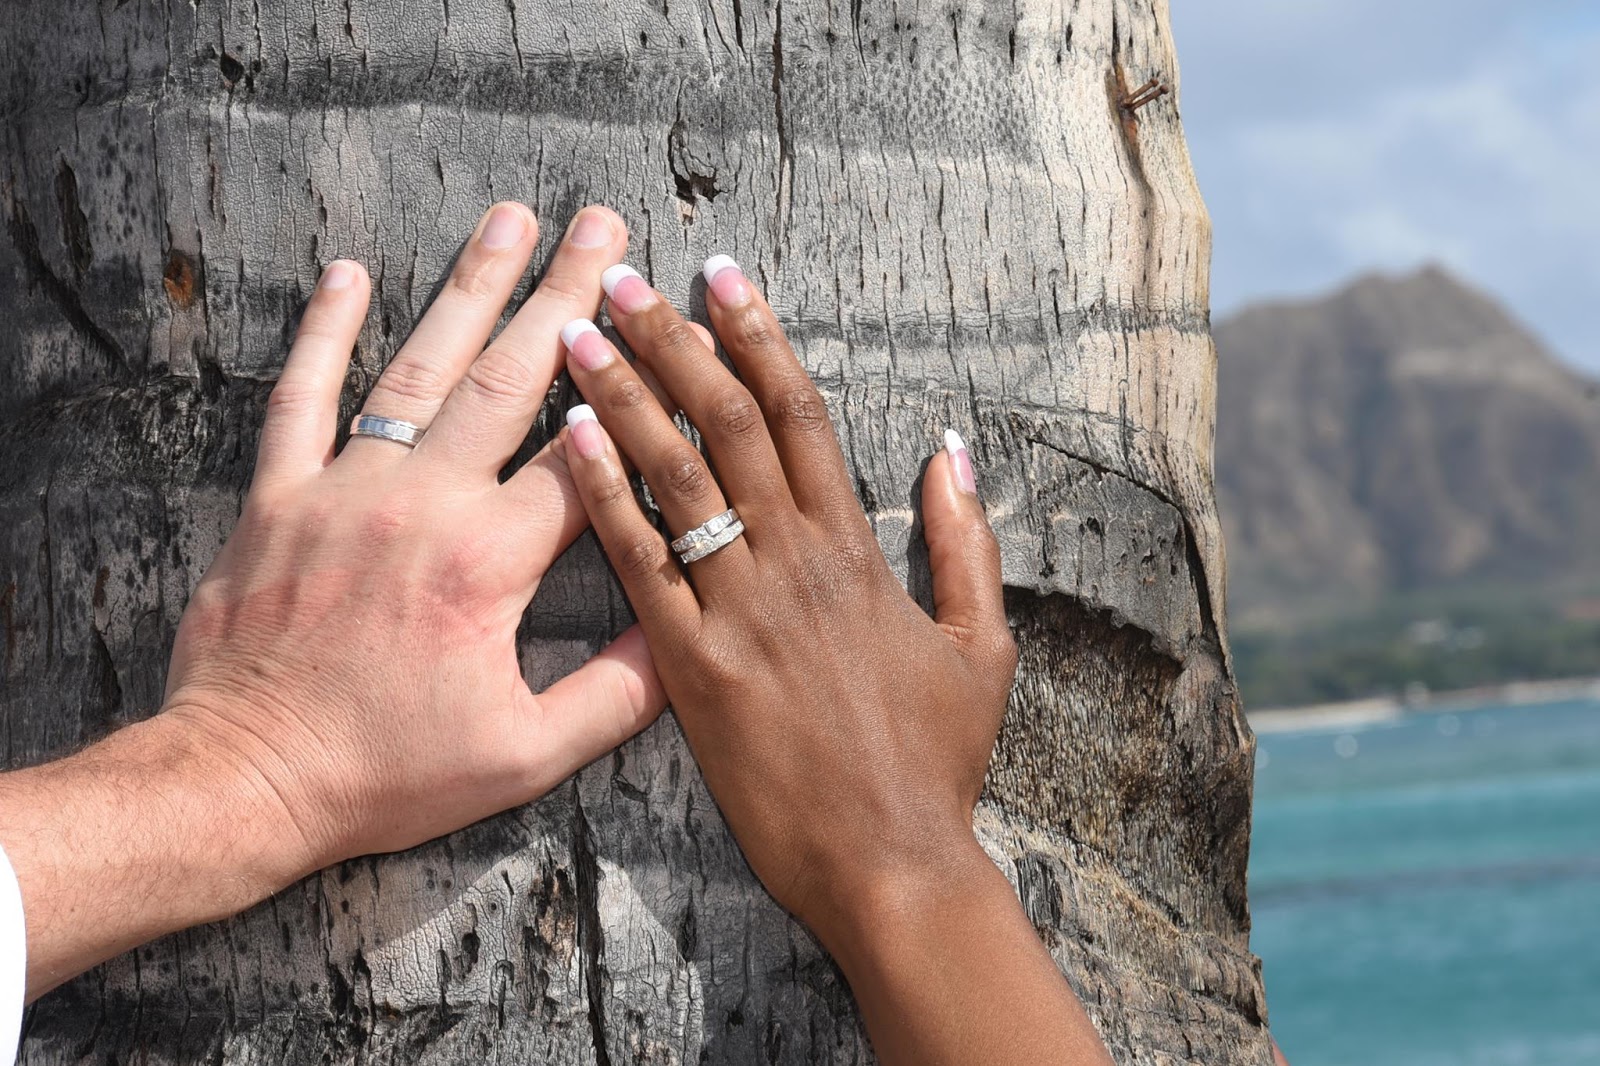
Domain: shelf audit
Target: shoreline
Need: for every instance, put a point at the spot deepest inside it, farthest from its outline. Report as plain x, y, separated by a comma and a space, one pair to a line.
1380, 709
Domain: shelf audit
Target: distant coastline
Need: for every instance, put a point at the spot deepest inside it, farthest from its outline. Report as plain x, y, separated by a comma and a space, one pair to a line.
1375, 711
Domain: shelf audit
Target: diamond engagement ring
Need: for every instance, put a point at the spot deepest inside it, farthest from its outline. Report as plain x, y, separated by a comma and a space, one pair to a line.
406, 433
710, 536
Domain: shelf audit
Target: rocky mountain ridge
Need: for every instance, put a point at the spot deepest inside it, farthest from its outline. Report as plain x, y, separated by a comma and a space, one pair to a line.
1402, 434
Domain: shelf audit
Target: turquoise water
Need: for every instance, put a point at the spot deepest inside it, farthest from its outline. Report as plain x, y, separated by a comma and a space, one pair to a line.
1427, 892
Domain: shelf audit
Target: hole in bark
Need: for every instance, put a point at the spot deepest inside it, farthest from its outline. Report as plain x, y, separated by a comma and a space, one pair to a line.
179, 279
694, 179
74, 223
232, 69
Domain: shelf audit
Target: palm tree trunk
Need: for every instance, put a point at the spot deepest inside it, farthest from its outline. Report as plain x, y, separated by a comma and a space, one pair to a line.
961, 224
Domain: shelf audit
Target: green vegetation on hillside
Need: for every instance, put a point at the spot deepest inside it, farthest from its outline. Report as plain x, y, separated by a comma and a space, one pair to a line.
1441, 643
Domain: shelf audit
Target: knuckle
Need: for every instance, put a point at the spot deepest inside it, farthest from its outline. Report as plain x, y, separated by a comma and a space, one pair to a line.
755, 330
384, 524
289, 397
800, 409
627, 395
564, 287
640, 555
469, 559
267, 505
1001, 648
1003, 660
856, 560
717, 665
411, 380
980, 540
823, 580
734, 414
317, 325
634, 691
500, 378
612, 492
685, 475
674, 335
473, 280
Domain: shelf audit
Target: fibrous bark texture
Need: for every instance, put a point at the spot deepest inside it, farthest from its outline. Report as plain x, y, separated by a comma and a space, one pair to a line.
960, 225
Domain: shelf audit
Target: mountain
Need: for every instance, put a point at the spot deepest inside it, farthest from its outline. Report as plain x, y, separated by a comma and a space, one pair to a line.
1401, 435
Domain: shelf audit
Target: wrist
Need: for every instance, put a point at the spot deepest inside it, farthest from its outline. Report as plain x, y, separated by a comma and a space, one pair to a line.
252, 819
154, 829
885, 898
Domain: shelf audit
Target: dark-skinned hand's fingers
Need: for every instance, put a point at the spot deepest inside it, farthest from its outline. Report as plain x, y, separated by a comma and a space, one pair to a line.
656, 587
968, 598
722, 409
798, 420
677, 474
303, 410
492, 408
415, 384
541, 495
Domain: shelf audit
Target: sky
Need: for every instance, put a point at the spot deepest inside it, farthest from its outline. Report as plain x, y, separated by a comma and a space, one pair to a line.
1337, 137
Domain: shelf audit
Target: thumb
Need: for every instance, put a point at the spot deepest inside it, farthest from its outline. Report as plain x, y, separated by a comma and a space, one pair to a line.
968, 602
599, 705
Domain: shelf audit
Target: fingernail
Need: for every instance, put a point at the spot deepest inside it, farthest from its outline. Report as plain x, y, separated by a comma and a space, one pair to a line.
612, 276
507, 223
587, 436
626, 290
593, 230
341, 274
724, 278
960, 462
575, 329
585, 344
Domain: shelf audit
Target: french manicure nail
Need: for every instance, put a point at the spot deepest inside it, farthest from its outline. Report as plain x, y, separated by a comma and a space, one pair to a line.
585, 344
507, 223
575, 329
612, 276
341, 274
592, 231
960, 462
587, 436
724, 278
626, 290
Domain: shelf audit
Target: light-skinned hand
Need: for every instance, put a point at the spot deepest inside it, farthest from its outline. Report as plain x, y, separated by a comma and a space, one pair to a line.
345, 678
356, 638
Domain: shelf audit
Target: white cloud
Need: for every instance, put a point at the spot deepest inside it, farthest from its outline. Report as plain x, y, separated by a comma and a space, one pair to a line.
1479, 152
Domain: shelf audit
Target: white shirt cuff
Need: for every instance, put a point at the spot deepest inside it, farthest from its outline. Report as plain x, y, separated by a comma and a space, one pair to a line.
13, 961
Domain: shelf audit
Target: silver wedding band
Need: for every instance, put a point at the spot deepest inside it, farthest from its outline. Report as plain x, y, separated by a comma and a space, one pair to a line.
709, 537
394, 429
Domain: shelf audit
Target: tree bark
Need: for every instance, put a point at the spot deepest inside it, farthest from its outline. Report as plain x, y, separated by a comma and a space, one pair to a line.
959, 224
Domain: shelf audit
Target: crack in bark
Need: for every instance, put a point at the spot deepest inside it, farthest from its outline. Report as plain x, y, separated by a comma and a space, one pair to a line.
25, 237
591, 937
785, 149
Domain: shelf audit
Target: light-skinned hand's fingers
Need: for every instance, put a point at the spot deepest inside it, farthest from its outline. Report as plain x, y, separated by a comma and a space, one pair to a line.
598, 706
729, 420
677, 474
541, 497
661, 596
968, 598
303, 410
541, 505
798, 420
415, 384
489, 414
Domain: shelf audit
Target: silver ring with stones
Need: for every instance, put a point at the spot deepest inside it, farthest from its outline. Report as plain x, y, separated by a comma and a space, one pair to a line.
407, 433
710, 536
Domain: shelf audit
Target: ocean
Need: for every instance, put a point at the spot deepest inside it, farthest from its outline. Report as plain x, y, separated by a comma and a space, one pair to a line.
1426, 891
